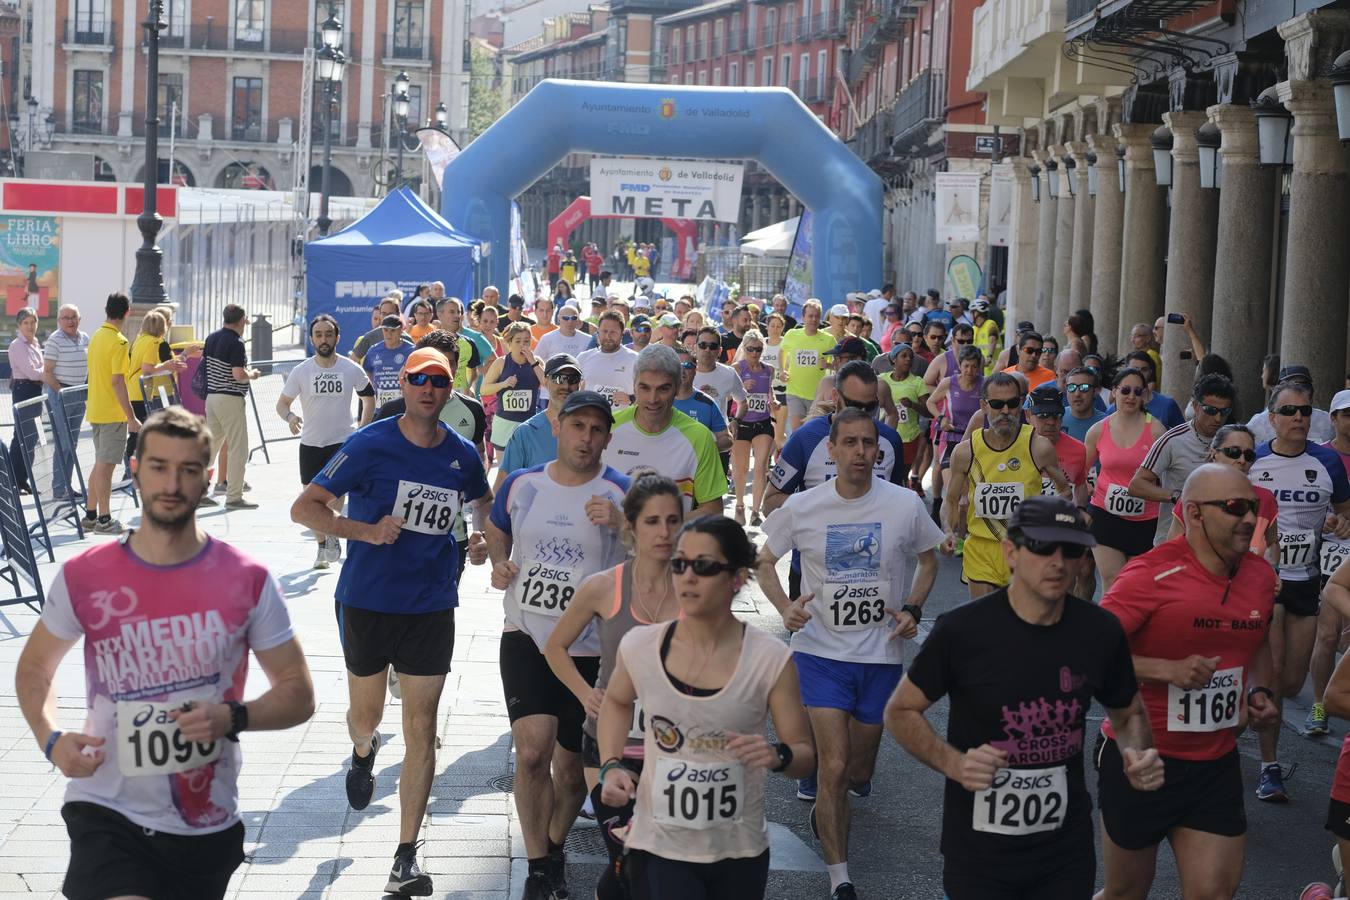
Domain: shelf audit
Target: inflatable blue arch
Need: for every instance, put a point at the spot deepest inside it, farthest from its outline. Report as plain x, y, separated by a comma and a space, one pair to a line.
768, 125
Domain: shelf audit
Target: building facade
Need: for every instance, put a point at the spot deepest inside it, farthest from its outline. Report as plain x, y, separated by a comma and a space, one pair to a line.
233, 82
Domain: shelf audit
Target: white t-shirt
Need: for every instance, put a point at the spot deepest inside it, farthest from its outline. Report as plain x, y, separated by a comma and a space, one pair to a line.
325, 397
722, 384
853, 559
610, 374
875, 309
556, 342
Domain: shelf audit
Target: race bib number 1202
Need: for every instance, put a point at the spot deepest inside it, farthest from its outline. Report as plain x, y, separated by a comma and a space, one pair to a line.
149, 742
1023, 801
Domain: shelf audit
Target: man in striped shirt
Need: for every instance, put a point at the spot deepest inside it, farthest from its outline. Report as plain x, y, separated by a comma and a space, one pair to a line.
65, 363
227, 381
1181, 449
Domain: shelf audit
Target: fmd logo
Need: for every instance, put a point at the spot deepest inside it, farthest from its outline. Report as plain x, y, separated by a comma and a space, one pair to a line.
363, 288
668, 108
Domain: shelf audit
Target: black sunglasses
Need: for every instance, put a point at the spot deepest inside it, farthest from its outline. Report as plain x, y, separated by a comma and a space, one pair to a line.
565, 378
418, 379
1004, 404
1048, 548
753, 349
703, 568
703, 345
688, 365
1289, 410
1237, 453
1127, 391
1236, 507
1079, 388
1031, 350
1210, 409
868, 408
960, 342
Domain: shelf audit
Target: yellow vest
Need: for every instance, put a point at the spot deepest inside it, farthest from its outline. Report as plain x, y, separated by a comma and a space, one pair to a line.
999, 480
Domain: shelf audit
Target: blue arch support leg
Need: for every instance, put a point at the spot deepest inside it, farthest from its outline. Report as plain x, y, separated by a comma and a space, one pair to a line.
768, 125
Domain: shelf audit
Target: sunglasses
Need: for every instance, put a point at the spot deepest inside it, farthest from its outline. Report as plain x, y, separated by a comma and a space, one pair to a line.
1127, 391
1237, 507
1048, 415
1031, 351
703, 568
703, 345
1004, 404
869, 408
1079, 388
914, 334
753, 349
1289, 410
1237, 453
1048, 548
418, 379
565, 378
1211, 410
961, 343
642, 328
568, 318
688, 365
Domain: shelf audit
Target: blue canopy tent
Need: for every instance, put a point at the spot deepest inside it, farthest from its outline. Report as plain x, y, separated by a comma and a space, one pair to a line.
399, 244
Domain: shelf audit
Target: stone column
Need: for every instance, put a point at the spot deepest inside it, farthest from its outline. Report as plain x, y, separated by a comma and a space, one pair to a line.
1244, 253
1142, 235
1317, 266
1045, 250
1107, 218
1022, 246
1190, 253
1059, 307
1080, 277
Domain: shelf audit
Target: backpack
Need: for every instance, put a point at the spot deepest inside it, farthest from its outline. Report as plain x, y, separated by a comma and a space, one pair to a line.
199, 380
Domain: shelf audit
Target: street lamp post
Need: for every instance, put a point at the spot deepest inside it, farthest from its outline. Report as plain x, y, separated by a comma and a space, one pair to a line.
401, 103
331, 63
147, 287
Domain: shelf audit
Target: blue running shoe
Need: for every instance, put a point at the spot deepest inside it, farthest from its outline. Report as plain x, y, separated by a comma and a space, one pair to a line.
860, 790
1271, 786
806, 789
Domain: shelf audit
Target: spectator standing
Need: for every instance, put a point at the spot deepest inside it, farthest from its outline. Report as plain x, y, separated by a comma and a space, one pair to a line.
65, 363
25, 383
227, 383
109, 411
150, 355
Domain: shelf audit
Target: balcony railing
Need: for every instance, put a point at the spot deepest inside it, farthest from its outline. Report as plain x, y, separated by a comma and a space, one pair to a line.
408, 51
804, 28
90, 34
768, 36
873, 140
221, 37
811, 92
921, 103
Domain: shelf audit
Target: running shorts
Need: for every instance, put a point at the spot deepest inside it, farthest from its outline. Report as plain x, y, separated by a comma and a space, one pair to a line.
313, 459
111, 856
859, 689
418, 644
590, 756
982, 560
1073, 880
1129, 537
652, 877
532, 689
1202, 795
1338, 819
1299, 598
748, 431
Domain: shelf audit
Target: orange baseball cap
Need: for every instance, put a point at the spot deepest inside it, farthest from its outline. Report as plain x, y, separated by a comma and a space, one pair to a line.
426, 360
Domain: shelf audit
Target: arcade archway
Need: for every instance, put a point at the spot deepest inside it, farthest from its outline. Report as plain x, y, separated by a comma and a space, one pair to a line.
768, 125
579, 210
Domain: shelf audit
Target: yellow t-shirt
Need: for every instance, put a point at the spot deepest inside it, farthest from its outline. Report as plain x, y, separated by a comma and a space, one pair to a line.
986, 334
998, 482
642, 266
144, 350
804, 357
107, 357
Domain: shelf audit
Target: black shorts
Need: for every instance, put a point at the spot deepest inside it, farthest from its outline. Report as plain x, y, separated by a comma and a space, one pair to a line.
652, 877
313, 459
1202, 795
1129, 537
947, 449
1300, 598
1338, 819
590, 756
1072, 880
416, 644
532, 689
748, 431
112, 856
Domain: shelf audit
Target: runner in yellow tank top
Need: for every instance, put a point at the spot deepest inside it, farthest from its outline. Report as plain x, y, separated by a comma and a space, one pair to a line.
997, 481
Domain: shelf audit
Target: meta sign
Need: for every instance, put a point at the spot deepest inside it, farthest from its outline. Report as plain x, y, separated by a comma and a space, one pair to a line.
665, 189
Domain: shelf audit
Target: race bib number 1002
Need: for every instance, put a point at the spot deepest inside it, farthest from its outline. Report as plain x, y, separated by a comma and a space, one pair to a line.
149, 742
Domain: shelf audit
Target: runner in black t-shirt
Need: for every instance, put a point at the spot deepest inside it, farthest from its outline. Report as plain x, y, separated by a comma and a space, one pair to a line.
1022, 665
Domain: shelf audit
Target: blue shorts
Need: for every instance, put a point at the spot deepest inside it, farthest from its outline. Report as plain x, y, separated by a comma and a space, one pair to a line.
859, 689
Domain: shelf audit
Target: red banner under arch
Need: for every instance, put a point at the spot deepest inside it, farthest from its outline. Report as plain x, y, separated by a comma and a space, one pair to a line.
579, 210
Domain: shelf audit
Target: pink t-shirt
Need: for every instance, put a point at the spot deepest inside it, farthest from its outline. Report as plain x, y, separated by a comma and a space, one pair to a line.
156, 637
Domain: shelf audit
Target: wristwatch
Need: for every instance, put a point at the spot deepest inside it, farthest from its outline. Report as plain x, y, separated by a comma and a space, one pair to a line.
784, 758
916, 612
238, 719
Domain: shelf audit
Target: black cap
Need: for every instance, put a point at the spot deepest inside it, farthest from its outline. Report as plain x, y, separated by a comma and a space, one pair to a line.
391, 322
515, 300
1046, 518
1296, 372
586, 400
850, 346
1046, 399
560, 362
640, 321
1026, 326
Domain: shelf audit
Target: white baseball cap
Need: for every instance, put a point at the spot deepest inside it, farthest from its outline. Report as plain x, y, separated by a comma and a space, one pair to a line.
840, 310
874, 293
1340, 401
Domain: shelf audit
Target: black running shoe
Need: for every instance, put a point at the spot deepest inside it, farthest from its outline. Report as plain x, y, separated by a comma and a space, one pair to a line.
538, 886
406, 879
845, 891
361, 777
557, 875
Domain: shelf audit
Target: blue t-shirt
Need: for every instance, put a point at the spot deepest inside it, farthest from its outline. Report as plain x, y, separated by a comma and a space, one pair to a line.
383, 366
1078, 428
531, 444
939, 315
383, 474
1161, 407
703, 409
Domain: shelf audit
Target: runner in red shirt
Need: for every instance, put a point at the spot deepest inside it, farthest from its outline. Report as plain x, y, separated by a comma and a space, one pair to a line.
554, 266
1197, 613
1336, 595
1235, 445
1045, 412
594, 263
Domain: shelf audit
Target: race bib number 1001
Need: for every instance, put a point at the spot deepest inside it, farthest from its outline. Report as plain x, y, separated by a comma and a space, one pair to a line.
1023, 801
425, 508
517, 401
149, 742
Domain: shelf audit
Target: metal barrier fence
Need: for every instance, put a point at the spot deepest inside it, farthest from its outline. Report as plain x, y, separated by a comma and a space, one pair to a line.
20, 569
262, 397
48, 484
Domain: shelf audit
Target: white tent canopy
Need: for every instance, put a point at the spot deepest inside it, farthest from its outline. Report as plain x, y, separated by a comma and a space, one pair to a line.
775, 240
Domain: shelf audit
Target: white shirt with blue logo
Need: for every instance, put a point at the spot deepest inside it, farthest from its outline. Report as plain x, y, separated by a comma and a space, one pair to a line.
1305, 486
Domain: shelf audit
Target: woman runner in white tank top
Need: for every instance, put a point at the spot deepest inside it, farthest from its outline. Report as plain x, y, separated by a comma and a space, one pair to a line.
707, 683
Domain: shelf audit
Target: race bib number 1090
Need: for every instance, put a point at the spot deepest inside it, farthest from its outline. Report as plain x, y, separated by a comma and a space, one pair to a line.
149, 742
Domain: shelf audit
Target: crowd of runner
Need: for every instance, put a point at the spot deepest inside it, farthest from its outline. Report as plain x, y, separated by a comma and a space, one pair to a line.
1148, 553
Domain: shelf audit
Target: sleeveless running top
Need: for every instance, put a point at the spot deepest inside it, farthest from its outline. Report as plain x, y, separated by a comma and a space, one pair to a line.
756, 405
621, 621
517, 403
696, 803
962, 404
1118, 465
999, 481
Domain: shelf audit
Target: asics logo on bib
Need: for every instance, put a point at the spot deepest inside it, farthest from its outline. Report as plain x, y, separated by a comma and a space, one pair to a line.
144, 716
709, 776
857, 593
436, 495
1227, 678
541, 571
1010, 778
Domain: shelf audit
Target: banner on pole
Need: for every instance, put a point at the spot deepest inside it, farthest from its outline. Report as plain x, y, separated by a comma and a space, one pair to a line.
666, 189
958, 207
438, 148
1000, 207
797, 287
